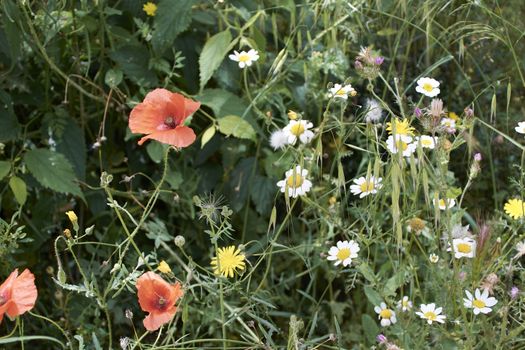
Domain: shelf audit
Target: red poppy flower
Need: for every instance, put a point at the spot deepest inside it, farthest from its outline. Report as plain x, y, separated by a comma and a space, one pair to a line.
161, 117
157, 297
17, 294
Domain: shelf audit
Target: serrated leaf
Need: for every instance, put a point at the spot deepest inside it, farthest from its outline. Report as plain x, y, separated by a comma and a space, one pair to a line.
370, 327
213, 54
262, 193
73, 145
373, 297
133, 60
207, 135
172, 18
52, 170
5, 167
19, 188
233, 125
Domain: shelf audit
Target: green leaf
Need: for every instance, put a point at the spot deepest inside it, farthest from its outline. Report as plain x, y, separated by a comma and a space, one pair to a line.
372, 296
9, 127
207, 135
73, 146
370, 328
236, 126
19, 188
156, 151
367, 272
5, 167
113, 78
213, 54
133, 60
172, 18
238, 186
52, 170
262, 194
222, 102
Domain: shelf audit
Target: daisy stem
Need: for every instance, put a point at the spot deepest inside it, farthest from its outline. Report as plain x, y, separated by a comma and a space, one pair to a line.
246, 87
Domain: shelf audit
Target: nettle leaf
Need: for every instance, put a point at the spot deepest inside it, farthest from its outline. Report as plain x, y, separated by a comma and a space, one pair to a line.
52, 170
19, 188
213, 54
172, 18
233, 125
262, 194
5, 167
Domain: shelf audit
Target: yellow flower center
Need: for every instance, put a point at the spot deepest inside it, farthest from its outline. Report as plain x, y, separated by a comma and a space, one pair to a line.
297, 129
428, 87
343, 254
464, 248
402, 145
367, 186
478, 303
294, 181
430, 315
426, 142
244, 57
340, 92
404, 303
385, 313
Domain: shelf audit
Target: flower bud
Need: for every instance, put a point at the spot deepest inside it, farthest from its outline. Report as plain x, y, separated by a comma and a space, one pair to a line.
179, 241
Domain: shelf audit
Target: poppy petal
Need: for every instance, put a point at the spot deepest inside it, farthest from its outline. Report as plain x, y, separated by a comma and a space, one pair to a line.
24, 294
146, 118
155, 320
181, 136
5, 288
149, 286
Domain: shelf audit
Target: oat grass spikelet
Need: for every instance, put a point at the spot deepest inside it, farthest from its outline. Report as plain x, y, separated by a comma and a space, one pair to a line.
228, 261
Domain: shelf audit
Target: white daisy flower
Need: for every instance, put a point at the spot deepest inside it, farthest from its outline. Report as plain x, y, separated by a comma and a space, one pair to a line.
342, 91
463, 247
343, 252
386, 315
295, 182
433, 258
427, 141
449, 124
299, 129
402, 143
278, 139
430, 313
363, 187
443, 204
480, 302
374, 112
404, 304
244, 58
520, 128
428, 87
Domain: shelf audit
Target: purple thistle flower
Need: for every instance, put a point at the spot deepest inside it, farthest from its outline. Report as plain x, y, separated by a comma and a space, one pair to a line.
379, 60
477, 157
418, 112
514, 292
381, 338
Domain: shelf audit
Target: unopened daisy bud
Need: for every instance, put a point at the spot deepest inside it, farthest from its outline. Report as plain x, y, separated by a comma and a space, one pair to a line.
179, 241
164, 267
332, 337
292, 115
129, 314
59, 295
73, 218
433, 258
446, 144
332, 200
67, 233
50, 270
124, 341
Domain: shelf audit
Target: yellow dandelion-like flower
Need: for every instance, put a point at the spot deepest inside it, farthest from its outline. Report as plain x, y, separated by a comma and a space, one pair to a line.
515, 208
164, 267
150, 8
401, 127
453, 116
228, 261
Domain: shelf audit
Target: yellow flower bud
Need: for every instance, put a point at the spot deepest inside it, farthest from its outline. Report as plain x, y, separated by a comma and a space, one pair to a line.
164, 267
72, 217
292, 115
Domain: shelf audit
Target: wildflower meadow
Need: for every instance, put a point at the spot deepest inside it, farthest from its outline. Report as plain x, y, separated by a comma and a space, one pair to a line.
262, 174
